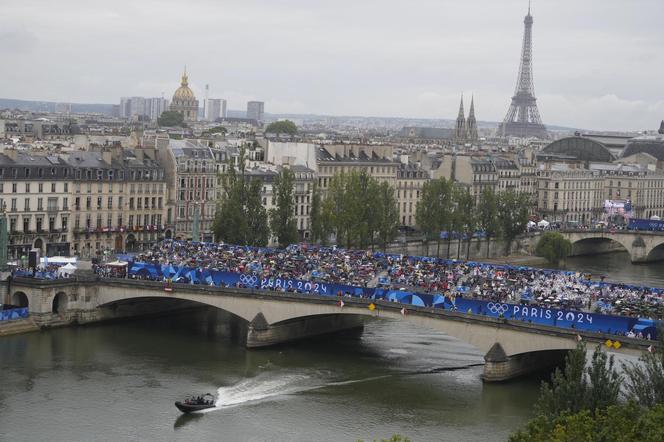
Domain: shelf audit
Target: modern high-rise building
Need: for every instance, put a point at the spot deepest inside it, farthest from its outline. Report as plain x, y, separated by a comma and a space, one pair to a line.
215, 108
155, 106
255, 110
132, 106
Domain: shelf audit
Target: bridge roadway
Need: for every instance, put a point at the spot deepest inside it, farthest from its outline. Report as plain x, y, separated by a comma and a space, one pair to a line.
642, 246
512, 348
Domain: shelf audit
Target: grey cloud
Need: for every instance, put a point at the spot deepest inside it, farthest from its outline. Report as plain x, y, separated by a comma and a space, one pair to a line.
598, 63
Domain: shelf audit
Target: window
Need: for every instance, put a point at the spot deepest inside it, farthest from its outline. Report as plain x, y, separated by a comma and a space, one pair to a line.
26, 224
98, 202
131, 203
27, 187
88, 203
110, 202
66, 187
88, 222
13, 187
52, 204
65, 203
99, 220
64, 223
131, 221
109, 220
53, 187
51, 223
26, 205
120, 202
39, 223
77, 223
40, 203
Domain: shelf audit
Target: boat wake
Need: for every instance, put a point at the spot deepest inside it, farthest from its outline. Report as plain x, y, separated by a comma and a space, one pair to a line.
267, 386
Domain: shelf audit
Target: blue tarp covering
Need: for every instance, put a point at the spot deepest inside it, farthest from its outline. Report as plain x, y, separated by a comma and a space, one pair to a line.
15, 313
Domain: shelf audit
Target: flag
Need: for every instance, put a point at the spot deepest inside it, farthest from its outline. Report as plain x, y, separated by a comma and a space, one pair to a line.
404, 312
372, 306
341, 303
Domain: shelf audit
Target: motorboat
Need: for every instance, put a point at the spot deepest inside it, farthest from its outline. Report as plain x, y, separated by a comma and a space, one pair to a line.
198, 403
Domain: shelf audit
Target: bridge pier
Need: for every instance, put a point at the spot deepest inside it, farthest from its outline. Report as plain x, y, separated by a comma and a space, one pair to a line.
499, 367
262, 334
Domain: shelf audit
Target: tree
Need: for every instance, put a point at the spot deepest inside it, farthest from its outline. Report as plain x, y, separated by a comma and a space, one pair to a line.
604, 381
487, 215
626, 422
567, 390
464, 217
171, 119
434, 210
230, 221
554, 247
356, 210
282, 219
645, 381
513, 210
258, 232
240, 217
282, 127
387, 214
215, 130
318, 232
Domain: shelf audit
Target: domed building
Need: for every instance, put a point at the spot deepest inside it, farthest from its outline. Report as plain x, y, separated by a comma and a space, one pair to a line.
580, 149
184, 100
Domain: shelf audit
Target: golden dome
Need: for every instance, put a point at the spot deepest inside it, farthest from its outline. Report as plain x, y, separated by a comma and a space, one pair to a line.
183, 92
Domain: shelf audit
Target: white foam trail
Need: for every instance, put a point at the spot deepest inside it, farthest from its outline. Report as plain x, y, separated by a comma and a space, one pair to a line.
259, 388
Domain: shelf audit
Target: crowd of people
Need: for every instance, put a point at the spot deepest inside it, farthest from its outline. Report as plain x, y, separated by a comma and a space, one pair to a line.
540, 287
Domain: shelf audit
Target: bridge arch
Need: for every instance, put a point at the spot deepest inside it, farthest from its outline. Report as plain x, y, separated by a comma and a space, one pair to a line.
656, 253
591, 245
20, 299
60, 303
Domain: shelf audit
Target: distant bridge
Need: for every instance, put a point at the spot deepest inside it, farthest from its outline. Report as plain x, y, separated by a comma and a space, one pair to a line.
512, 347
642, 246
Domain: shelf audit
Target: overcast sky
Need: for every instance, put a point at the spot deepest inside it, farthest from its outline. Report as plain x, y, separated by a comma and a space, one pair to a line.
598, 64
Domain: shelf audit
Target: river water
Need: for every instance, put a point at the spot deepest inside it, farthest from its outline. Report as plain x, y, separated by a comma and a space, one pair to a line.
118, 382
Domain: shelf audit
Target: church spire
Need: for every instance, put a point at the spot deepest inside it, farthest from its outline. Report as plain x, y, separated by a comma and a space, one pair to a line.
185, 79
460, 129
471, 123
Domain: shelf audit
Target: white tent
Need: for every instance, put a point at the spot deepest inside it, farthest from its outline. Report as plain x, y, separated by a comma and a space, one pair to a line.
58, 260
531, 224
117, 264
544, 223
66, 270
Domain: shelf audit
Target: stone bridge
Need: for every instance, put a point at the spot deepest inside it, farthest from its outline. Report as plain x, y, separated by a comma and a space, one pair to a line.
642, 246
512, 348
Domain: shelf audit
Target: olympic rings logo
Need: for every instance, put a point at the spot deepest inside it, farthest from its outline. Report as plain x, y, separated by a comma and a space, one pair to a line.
497, 308
248, 280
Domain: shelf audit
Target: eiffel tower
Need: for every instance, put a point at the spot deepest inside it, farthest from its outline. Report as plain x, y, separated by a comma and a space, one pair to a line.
523, 118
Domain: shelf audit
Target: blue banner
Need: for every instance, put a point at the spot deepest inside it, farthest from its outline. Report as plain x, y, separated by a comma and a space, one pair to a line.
618, 325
